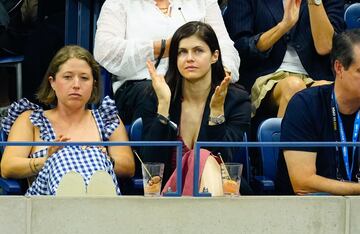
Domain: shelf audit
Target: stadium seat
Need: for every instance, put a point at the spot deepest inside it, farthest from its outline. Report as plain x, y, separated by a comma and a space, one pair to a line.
8, 186
268, 131
15, 62
135, 134
352, 16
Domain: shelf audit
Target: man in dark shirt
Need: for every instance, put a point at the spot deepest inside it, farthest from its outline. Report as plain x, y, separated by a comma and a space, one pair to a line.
325, 113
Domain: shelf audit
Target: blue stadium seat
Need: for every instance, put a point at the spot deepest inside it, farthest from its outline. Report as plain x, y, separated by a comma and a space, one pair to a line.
15, 62
135, 134
352, 16
268, 131
8, 186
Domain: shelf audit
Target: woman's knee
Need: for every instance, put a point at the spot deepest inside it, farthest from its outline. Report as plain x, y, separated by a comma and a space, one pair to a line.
289, 86
211, 177
293, 85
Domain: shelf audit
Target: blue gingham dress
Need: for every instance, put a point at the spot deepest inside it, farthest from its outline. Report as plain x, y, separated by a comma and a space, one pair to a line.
82, 159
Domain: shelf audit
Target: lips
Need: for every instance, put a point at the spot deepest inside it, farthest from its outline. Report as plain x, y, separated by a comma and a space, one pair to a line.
190, 68
75, 95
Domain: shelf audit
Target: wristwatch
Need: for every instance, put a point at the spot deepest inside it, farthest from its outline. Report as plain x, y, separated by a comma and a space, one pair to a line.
315, 2
217, 120
164, 120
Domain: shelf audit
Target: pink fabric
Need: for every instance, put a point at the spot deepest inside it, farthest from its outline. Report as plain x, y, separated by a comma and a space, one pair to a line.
185, 149
187, 172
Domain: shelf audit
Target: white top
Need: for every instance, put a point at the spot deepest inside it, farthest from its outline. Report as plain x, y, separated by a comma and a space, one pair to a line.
291, 62
126, 30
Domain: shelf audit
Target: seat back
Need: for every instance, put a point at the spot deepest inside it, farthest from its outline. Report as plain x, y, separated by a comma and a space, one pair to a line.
3, 137
352, 16
135, 134
269, 131
135, 131
9, 186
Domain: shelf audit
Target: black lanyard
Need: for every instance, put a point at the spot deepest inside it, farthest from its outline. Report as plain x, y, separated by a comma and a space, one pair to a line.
339, 130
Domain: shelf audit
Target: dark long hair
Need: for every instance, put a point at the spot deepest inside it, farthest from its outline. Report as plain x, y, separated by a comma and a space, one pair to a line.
205, 33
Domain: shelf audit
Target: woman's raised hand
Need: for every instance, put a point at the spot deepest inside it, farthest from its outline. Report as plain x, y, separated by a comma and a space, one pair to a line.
53, 149
161, 88
291, 12
218, 98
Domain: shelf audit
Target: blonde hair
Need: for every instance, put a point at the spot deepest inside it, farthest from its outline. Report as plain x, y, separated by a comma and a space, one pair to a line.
47, 95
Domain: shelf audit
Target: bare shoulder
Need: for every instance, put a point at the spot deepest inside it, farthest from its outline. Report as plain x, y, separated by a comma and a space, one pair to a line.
24, 117
119, 133
22, 127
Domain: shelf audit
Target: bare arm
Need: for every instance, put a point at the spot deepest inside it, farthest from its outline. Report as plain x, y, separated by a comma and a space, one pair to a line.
290, 18
321, 29
302, 171
157, 48
270, 37
122, 155
15, 161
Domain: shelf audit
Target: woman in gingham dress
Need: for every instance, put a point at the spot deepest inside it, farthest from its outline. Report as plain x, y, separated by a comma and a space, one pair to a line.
71, 82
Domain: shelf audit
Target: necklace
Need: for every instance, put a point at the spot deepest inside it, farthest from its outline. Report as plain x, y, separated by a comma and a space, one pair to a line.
164, 6
164, 10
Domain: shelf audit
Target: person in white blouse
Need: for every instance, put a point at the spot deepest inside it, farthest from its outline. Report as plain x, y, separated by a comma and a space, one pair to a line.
131, 31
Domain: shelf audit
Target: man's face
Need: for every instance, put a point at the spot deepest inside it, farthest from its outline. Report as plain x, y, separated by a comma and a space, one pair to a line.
351, 77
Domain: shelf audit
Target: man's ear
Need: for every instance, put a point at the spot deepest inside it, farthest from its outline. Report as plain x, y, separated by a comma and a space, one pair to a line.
215, 57
338, 68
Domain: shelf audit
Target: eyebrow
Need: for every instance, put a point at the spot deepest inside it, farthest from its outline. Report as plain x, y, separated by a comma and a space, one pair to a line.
195, 47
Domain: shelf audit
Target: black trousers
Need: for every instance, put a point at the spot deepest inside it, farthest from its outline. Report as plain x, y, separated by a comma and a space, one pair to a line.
130, 97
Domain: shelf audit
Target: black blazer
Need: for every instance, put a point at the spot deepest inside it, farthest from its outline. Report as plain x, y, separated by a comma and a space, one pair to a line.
237, 120
246, 20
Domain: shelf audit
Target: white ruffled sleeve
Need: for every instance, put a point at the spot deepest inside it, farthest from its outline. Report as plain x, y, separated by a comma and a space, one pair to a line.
16, 109
230, 56
109, 115
121, 57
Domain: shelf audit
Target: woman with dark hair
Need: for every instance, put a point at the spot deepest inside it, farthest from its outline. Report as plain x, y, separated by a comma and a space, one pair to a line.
131, 31
70, 84
195, 102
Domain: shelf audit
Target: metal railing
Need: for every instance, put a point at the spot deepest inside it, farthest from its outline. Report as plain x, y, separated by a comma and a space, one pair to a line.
200, 144
178, 146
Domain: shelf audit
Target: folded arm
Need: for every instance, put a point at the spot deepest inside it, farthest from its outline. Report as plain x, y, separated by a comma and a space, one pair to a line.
302, 171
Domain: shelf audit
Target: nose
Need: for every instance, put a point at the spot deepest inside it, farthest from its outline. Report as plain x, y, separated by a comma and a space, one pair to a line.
76, 83
190, 56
